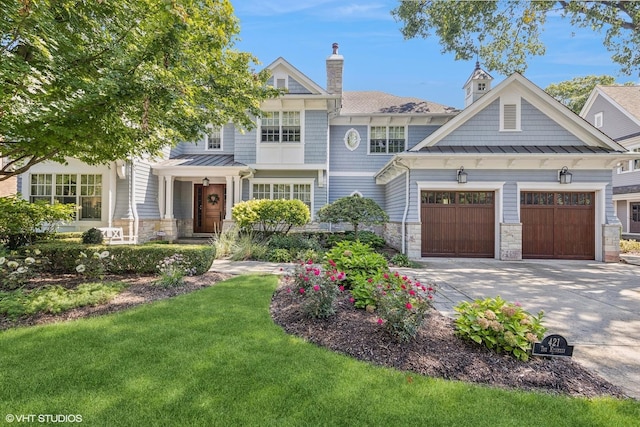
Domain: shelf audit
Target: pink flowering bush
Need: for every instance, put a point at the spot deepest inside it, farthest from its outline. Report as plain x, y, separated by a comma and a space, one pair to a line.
499, 325
402, 305
318, 285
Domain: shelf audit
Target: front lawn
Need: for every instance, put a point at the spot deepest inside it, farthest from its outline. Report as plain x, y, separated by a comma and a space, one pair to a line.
215, 357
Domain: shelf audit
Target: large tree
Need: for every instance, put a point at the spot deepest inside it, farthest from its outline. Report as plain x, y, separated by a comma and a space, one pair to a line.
575, 92
100, 80
505, 33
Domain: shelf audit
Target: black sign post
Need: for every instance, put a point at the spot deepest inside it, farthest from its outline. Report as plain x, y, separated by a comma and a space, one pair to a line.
553, 345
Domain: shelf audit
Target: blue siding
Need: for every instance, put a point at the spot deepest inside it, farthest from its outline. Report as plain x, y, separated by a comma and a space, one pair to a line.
245, 147
417, 133
315, 136
121, 209
342, 186
183, 199
536, 129
146, 187
297, 88
395, 192
198, 147
342, 159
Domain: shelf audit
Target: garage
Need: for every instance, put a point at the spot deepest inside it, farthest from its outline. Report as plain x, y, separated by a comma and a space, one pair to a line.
558, 225
458, 224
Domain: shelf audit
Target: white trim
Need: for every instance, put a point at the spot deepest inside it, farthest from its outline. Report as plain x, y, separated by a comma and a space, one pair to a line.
205, 139
599, 188
495, 186
386, 126
289, 181
357, 137
356, 193
515, 100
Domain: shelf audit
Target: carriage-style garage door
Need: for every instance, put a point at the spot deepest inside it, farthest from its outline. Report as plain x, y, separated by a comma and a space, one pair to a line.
458, 224
558, 225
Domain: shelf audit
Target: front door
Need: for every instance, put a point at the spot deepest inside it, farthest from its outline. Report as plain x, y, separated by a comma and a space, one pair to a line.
209, 208
634, 223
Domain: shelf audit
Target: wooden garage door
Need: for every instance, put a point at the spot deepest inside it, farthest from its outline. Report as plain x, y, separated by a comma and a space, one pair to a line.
458, 224
558, 225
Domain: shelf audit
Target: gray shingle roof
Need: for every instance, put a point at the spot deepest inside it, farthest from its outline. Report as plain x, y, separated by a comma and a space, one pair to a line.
516, 149
627, 96
374, 102
219, 160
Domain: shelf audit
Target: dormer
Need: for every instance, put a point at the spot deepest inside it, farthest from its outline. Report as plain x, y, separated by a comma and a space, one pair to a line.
477, 85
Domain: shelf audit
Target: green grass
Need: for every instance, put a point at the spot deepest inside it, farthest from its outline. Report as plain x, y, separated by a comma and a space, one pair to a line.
215, 358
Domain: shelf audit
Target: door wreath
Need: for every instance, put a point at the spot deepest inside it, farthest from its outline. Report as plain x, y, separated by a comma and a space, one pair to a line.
213, 198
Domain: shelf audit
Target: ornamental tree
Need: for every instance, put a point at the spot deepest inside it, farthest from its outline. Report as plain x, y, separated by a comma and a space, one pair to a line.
105, 80
505, 33
355, 210
575, 92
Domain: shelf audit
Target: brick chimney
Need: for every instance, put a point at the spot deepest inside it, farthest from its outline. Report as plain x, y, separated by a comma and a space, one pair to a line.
334, 71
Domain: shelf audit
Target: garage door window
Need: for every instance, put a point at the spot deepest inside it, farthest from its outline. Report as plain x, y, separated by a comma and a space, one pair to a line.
461, 198
558, 199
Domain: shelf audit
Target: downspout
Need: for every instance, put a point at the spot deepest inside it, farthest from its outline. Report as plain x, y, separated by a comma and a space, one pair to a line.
328, 158
134, 208
406, 205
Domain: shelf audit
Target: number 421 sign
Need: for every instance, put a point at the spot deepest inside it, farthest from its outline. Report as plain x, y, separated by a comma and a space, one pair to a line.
553, 345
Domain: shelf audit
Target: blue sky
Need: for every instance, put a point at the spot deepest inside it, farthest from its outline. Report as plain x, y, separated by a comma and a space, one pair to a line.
376, 56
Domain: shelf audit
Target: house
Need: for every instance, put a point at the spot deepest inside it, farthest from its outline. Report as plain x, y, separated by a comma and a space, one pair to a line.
513, 175
615, 110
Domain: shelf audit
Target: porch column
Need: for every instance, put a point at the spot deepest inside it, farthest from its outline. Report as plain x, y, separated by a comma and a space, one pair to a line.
236, 189
168, 203
229, 200
161, 195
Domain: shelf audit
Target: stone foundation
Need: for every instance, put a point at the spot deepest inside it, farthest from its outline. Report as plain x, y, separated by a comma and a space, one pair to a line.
511, 242
611, 242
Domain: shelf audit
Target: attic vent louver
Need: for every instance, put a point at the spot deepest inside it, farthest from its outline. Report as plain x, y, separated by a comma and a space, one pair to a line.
510, 117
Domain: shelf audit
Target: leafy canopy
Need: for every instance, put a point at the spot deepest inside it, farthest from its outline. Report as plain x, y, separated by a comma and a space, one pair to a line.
575, 92
271, 216
505, 33
103, 80
355, 210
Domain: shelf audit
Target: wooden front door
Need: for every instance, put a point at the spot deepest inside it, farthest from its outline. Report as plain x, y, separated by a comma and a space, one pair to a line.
458, 224
634, 220
557, 225
209, 208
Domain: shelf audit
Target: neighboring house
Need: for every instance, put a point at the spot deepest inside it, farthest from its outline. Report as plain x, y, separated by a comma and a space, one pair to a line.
615, 110
481, 182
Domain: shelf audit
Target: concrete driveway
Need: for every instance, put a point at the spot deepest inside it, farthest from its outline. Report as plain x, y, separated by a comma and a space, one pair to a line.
595, 306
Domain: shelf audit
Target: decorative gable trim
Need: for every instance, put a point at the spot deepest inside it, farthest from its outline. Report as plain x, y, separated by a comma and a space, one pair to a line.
516, 84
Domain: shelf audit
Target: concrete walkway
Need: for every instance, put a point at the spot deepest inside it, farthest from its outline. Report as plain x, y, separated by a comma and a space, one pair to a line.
595, 306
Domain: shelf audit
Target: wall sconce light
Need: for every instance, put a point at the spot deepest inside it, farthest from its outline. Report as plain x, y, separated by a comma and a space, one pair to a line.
564, 176
205, 182
462, 176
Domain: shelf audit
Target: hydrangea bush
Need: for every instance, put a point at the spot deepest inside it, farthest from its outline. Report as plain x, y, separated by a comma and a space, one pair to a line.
402, 305
15, 272
499, 325
94, 266
318, 286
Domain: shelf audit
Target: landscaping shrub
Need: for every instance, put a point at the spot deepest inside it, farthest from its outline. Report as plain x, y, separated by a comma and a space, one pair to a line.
402, 305
223, 242
292, 247
15, 270
357, 260
22, 222
355, 210
92, 236
627, 246
249, 246
56, 299
401, 260
280, 255
318, 286
124, 259
93, 266
367, 237
270, 216
172, 271
499, 325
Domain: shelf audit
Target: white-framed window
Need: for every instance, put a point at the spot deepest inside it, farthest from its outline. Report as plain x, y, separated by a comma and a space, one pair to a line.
598, 120
280, 126
277, 189
387, 139
213, 139
482, 86
82, 190
356, 193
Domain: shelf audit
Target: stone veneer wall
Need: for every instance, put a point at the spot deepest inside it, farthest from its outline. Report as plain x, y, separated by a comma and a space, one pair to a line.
611, 242
511, 242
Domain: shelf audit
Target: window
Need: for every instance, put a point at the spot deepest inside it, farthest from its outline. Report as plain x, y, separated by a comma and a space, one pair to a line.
278, 191
386, 139
598, 120
281, 126
83, 190
482, 87
213, 139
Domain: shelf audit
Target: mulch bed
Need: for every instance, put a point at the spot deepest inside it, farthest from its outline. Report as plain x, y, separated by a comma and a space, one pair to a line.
436, 351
